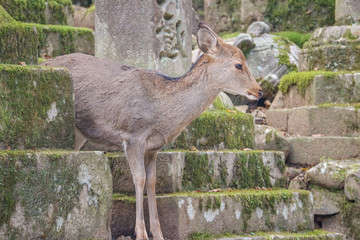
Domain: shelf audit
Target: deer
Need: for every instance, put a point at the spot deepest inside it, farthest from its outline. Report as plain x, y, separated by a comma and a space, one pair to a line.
140, 110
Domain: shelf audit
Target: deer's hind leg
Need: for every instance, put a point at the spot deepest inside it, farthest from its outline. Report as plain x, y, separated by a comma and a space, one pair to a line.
135, 153
150, 166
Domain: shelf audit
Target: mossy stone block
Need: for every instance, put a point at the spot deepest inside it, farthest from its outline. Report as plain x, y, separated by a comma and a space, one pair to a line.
36, 107
54, 195
215, 130
4, 16
245, 211
40, 11
18, 43
190, 171
60, 40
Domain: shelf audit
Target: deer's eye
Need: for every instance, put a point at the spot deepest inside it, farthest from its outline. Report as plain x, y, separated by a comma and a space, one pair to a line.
238, 66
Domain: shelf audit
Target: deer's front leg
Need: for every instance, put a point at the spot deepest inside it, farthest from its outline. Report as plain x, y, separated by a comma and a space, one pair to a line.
135, 153
150, 165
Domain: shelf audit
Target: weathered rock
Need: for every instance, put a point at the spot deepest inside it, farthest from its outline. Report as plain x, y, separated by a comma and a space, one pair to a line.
36, 107
53, 194
309, 150
331, 174
292, 172
326, 202
347, 12
297, 184
194, 21
307, 121
84, 17
327, 48
278, 118
268, 138
189, 171
155, 35
236, 211
256, 29
245, 42
352, 186
270, 59
316, 88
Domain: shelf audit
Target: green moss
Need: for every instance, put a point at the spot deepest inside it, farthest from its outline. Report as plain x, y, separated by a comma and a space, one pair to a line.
18, 43
303, 79
90, 10
4, 16
250, 172
349, 36
302, 16
26, 96
219, 105
198, 171
234, 130
298, 38
23, 182
124, 198
34, 10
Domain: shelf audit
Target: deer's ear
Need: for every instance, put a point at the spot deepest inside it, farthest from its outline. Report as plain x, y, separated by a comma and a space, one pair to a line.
207, 39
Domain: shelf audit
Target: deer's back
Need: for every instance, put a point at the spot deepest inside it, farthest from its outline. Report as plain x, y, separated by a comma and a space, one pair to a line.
111, 100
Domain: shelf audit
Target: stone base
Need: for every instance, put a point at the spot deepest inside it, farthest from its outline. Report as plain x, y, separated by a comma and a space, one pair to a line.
189, 171
238, 212
307, 121
54, 195
310, 150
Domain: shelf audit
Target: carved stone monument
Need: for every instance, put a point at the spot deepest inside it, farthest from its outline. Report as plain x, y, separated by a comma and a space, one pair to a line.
152, 34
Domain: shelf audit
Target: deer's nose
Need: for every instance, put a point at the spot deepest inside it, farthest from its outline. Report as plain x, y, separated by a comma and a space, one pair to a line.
260, 93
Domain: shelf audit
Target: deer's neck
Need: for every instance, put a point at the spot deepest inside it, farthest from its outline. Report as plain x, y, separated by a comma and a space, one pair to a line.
194, 95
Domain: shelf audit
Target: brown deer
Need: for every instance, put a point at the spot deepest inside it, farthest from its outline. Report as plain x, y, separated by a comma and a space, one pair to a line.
142, 110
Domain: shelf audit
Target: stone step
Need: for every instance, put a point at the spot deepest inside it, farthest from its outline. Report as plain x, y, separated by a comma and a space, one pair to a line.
189, 171
304, 235
328, 120
299, 89
26, 42
47, 194
56, 12
36, 107
238, 212
310, 150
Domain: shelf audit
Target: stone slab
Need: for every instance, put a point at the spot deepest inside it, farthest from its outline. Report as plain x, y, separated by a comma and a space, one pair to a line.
223, 212
146, 34
308, 235
310, 150
306, 121
278, 118
268, 138
347, 12
36, 107
189, 171
55, 195
326, 202
324, 88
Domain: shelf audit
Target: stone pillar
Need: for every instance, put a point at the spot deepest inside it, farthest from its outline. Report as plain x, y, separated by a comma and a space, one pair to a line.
152, 34
347, 12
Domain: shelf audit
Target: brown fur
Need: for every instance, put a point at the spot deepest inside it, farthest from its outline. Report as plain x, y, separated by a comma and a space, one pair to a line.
143, 110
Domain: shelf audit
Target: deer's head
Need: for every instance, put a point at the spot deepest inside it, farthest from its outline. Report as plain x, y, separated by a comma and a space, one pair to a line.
227, 65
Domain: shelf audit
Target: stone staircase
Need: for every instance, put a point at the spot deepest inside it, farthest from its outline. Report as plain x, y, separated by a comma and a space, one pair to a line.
319, 111
49, 191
